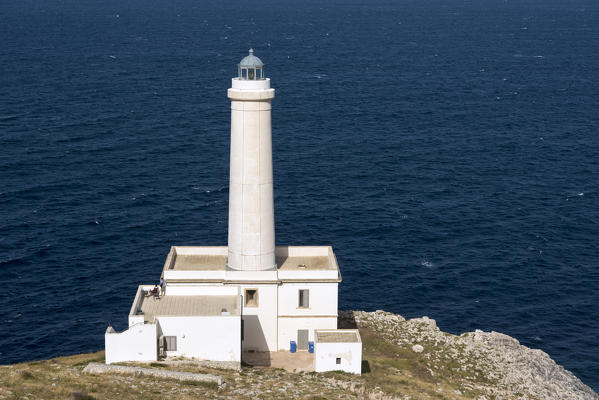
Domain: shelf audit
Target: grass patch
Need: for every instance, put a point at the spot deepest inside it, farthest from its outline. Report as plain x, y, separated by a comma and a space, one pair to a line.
83, 363
158, 365
204, 384
26, 375
82, 396
338, 374
396, 369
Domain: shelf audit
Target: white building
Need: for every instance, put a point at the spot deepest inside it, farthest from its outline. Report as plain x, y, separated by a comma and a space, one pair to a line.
338, 349
250, 295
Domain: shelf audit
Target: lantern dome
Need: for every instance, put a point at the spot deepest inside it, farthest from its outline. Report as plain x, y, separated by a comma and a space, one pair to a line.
251, 60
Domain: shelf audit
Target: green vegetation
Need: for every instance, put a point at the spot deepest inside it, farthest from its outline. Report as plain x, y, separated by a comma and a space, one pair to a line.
390, 369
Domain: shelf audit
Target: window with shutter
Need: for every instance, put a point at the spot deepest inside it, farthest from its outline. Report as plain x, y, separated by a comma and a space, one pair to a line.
171, 343
304, 298
251, 297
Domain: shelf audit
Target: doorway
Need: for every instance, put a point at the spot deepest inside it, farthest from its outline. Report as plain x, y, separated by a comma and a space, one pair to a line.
302, 339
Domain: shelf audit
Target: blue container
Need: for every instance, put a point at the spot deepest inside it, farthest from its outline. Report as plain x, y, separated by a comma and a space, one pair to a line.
311, 347
292, 346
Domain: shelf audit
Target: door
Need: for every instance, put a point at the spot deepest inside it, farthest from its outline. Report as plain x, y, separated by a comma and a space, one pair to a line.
302, 339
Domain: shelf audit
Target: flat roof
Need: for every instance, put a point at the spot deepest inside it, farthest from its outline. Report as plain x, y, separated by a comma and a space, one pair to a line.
187, 306
199, 262
288, 258
303, 263
337, 336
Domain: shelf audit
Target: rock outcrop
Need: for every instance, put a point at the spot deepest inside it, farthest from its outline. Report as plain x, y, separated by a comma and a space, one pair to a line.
491, 363
100, 368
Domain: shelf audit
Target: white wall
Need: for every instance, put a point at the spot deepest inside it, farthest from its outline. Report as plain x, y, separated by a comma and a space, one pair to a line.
297, 274
323, 299
138, 343
135, 319
260, 323
288, 328
215, 338
196, 250
215, 274
180, 289
327, 353
252, 276
304, 251
321, 313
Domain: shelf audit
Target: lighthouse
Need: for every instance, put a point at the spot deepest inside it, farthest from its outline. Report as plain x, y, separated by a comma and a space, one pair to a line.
251, 209
225, 304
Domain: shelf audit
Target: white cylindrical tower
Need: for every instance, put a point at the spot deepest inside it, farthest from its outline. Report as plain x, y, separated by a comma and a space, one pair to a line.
251, 208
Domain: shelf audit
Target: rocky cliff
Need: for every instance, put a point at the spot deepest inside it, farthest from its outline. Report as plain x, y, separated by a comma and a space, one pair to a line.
482, 365
403, 359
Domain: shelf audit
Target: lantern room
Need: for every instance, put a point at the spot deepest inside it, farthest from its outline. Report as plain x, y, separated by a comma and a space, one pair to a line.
251, 68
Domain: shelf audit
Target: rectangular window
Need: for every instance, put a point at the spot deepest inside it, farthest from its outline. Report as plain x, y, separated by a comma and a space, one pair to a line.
171, 343
251, 298
304, 298
337, 360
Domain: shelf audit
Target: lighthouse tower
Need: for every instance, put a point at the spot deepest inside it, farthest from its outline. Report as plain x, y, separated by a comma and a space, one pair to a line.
251, 210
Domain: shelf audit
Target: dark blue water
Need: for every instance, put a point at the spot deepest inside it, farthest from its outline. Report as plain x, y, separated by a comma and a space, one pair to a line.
447, 150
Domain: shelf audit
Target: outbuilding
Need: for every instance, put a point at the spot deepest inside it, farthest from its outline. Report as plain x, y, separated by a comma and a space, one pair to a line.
200, 327
338, 350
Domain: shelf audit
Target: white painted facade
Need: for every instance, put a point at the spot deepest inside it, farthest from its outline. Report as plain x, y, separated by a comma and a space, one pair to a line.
265, 279
321, 312
260, 322
338, 355
289, 329
138, 343
214, 338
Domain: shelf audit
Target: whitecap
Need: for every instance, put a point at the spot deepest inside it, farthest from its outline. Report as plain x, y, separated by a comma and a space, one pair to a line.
426, 263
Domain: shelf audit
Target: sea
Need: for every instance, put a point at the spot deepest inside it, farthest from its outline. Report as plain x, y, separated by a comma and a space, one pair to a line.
448, 150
